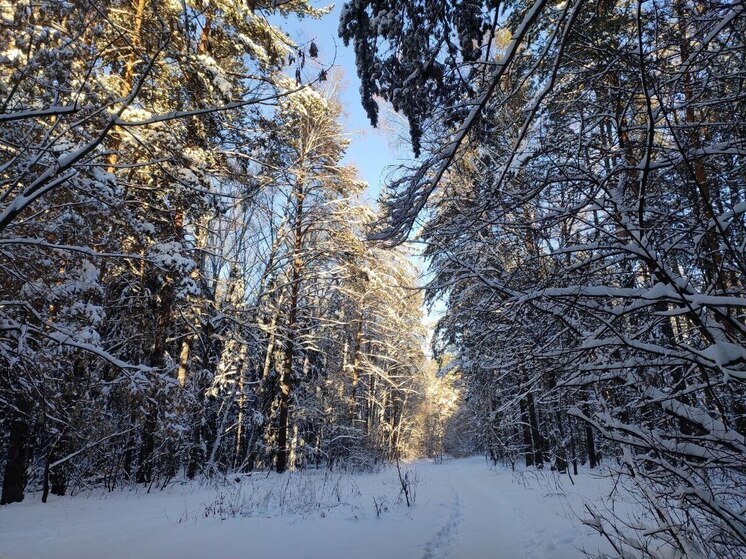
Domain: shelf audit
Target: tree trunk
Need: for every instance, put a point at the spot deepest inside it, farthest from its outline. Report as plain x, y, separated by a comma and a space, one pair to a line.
147, 446
590, 444
14, 480
183, 370
528, 451
536, 438
127, 80
287, 368
355, 415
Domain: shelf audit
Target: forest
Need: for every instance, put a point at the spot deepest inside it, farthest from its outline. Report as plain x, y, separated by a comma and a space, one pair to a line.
195, 289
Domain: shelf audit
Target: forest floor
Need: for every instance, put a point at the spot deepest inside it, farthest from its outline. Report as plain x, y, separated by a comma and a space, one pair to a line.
463, 509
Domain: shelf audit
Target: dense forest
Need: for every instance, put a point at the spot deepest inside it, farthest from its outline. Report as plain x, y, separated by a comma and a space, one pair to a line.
191, 284
580, 192
186, 285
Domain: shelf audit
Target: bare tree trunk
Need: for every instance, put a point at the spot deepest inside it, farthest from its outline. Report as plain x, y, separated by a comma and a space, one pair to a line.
287, 368
181, 374
356, 358
590, 443
528, 452
536, 438
147, 446
240, 450
14, 479
371, 404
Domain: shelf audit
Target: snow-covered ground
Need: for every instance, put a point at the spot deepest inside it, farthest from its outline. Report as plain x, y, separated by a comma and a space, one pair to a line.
463, 509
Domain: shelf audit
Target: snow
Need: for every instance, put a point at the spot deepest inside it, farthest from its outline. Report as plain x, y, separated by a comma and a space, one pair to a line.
463, 509
218, 78
726, 354
54, 110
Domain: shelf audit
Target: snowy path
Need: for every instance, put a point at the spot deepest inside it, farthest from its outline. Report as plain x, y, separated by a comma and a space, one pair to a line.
463, 510
500, 515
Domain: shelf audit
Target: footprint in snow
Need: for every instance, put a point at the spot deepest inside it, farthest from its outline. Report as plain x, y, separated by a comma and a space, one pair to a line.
438, 545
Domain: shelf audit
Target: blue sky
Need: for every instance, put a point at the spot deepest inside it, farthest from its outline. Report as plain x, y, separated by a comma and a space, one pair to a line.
371, 150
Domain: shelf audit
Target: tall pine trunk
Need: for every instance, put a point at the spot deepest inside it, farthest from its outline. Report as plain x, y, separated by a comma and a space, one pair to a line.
287, 368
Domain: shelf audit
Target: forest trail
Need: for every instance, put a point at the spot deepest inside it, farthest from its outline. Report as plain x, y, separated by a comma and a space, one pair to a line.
498, 514
463, 510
